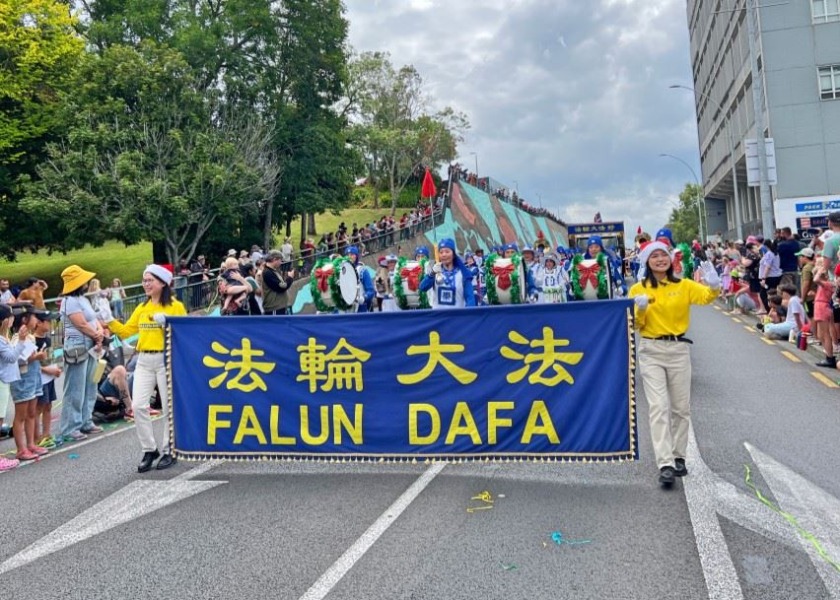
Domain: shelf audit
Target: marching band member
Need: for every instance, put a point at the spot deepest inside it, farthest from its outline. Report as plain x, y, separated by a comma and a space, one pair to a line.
554, 282
477, 276
534, 268
422, 252
450, 279
595, 246
366, 289
511, 249
663, 304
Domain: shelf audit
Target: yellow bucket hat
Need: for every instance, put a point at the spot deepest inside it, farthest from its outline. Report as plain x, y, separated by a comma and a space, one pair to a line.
75, 277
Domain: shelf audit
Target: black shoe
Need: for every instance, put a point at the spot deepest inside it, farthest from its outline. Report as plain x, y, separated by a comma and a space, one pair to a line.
759, 326
666, 477
680, 469
829, 361
148, 459
166, 461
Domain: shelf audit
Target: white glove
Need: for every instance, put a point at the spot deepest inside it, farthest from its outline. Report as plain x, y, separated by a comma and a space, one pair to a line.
104, 313
534, 299
160, 319
709, 275
437, 268
429, 266
641, 302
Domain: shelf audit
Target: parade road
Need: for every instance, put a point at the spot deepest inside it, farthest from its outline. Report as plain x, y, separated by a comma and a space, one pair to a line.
83, 524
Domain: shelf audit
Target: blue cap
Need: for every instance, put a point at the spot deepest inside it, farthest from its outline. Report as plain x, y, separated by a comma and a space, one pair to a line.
595, 239
447, 243
528, 249
422, 250
352, 250
511, 246
665, 233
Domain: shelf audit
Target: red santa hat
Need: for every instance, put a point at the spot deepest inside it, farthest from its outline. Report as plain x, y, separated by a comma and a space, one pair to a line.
649, 248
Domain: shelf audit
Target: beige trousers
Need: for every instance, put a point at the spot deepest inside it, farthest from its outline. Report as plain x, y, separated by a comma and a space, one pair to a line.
666, 375
150, 373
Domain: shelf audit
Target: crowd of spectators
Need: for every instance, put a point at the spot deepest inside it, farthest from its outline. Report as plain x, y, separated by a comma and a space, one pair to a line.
501, 193
792, 285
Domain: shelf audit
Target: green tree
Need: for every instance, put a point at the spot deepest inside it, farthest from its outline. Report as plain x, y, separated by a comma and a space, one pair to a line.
150, 157
39, 48
685, 220
393, 126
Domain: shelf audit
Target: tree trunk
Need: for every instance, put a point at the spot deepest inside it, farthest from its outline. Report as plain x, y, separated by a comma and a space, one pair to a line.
267, 225
311, 229
303, 222
374, 183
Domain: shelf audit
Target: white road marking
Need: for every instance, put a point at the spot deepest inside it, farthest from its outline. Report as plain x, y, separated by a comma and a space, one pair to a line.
816, 511
718, 568
339, 569
135, 500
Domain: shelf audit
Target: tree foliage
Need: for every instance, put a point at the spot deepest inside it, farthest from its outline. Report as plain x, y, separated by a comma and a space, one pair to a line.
39, 48
392, 124
685, 220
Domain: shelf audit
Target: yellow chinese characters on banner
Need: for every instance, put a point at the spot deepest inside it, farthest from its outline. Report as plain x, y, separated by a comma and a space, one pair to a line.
548, 357
340, 368
436, 352
246, 367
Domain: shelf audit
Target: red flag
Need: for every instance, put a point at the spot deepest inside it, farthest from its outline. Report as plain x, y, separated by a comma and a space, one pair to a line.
639, 230
428, 190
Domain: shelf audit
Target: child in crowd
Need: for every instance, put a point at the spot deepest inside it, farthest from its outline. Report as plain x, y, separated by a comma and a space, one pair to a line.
9, 370
824, 313
777, 312
26, 387
117, 299
795, 318
49, 372
742, 296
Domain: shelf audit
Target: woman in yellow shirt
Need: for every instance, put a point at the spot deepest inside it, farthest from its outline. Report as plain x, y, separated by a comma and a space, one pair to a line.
149, 320
663, 304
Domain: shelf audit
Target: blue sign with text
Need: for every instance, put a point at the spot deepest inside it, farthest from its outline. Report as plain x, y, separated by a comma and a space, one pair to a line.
529, 381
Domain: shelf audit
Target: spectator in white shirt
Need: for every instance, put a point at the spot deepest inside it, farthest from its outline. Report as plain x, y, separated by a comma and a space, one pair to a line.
796, 317
6, 295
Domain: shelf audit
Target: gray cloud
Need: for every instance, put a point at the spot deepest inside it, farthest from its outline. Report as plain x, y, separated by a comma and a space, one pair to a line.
568, 98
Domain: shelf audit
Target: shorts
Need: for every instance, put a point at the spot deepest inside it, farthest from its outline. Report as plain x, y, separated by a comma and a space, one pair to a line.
823, 312
836, 312
28, 386
48, 395
108, 389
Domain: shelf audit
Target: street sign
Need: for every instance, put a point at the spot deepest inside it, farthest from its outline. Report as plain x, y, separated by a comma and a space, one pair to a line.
753, 170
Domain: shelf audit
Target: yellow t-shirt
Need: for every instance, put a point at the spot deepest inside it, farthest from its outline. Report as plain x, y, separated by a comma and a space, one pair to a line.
669, 308
142, 320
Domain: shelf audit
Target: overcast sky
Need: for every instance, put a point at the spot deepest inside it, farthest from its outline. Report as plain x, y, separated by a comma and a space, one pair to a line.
569, 98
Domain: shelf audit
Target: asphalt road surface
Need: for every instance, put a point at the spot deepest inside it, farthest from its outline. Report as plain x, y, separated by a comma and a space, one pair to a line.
83, 524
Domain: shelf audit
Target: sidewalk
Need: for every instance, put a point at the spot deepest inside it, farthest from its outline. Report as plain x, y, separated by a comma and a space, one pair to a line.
814, 350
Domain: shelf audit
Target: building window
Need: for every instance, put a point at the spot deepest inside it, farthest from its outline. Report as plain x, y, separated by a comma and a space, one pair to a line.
830, 82
825, 11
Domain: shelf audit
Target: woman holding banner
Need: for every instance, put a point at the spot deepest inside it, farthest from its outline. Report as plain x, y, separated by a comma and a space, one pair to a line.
663, 304
149, 320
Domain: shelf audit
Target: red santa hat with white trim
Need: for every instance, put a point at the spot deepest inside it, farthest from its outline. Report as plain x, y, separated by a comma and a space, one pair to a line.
649, 248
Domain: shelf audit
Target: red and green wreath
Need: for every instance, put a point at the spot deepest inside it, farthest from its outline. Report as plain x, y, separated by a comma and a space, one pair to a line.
599, 272
414, 279
505, 277
322, 282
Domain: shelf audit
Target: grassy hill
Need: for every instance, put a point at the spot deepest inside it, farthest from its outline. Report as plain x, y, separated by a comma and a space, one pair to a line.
127, 262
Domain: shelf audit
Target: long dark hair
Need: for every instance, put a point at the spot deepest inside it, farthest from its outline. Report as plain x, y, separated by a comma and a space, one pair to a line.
165, 293
651, 281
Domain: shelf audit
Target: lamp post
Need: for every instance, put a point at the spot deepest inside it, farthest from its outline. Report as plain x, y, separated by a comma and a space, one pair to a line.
700, 190
731, 135
475, 154
539, 197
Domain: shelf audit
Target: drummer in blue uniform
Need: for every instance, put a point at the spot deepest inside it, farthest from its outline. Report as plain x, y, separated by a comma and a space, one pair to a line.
366, 291
450, 279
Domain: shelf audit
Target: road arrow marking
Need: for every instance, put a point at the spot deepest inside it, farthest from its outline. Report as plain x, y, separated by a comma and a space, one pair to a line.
815, 510
135, 500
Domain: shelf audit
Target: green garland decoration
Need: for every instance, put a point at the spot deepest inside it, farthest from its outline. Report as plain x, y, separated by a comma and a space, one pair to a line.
687, 261
490, 279
603, 285
402, 301
335, 291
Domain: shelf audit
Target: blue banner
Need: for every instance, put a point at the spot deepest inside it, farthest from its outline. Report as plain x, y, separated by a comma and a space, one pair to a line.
596, 228
529, 381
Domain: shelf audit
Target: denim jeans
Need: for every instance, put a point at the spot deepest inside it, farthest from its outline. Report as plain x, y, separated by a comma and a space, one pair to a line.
79, 397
